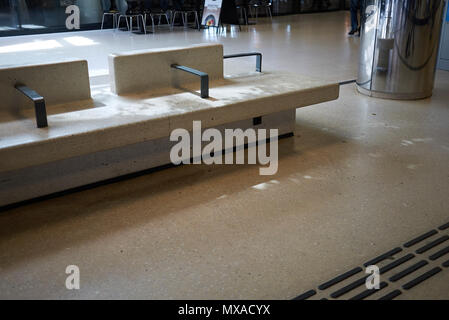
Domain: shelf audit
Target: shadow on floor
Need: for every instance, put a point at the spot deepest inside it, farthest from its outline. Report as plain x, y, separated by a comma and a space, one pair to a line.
83, 216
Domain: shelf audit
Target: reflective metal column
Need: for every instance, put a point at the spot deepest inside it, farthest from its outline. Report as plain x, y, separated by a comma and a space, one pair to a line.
399, 47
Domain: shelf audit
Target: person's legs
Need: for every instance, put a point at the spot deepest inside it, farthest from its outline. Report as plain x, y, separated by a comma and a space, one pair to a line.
362, 12
354, 18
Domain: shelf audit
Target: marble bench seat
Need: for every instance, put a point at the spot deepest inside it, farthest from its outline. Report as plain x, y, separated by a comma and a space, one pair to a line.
112, 135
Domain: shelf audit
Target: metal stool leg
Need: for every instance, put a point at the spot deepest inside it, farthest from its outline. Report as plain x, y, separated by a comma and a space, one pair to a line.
126, 20
167, 18
119, 20
197, 21
143, 23
152, 22
173, 19
102, 22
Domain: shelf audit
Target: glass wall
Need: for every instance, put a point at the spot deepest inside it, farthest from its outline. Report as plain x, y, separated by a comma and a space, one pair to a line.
320, 5
281, 7
8, 19
39, 16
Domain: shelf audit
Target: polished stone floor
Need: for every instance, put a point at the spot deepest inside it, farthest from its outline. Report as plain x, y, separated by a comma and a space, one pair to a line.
360, 177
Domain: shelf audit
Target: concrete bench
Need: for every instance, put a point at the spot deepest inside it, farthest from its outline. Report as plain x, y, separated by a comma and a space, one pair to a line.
150, 70
128, 129
59, 83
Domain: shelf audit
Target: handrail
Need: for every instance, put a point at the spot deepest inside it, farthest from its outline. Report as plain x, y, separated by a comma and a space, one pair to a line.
257, 54
203, 76
39, 104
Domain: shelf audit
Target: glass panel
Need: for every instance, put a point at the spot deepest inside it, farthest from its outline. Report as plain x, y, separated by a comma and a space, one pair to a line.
8, 16
319, 5
40, 16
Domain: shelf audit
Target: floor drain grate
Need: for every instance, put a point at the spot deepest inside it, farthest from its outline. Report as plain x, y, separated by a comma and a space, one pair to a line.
421, 278
409, 270
340, 278
406, 278
391, 295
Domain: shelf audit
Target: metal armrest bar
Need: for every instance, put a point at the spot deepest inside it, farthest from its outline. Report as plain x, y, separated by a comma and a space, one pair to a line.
39, 104
203, 76
257, 54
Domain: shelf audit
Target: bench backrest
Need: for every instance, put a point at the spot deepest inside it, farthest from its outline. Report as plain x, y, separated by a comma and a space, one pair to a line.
143, 71
58, 83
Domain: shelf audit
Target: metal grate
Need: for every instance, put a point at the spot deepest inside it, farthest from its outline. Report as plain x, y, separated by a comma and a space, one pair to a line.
406, 278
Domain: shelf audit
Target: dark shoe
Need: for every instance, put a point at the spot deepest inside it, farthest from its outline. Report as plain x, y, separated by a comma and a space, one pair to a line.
352, 32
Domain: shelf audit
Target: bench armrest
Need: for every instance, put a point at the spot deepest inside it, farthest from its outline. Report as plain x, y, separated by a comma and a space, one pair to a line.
204, 78
239, 55
39, 104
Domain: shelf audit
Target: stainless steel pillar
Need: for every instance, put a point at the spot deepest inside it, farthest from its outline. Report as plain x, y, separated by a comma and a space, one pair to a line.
399, 47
